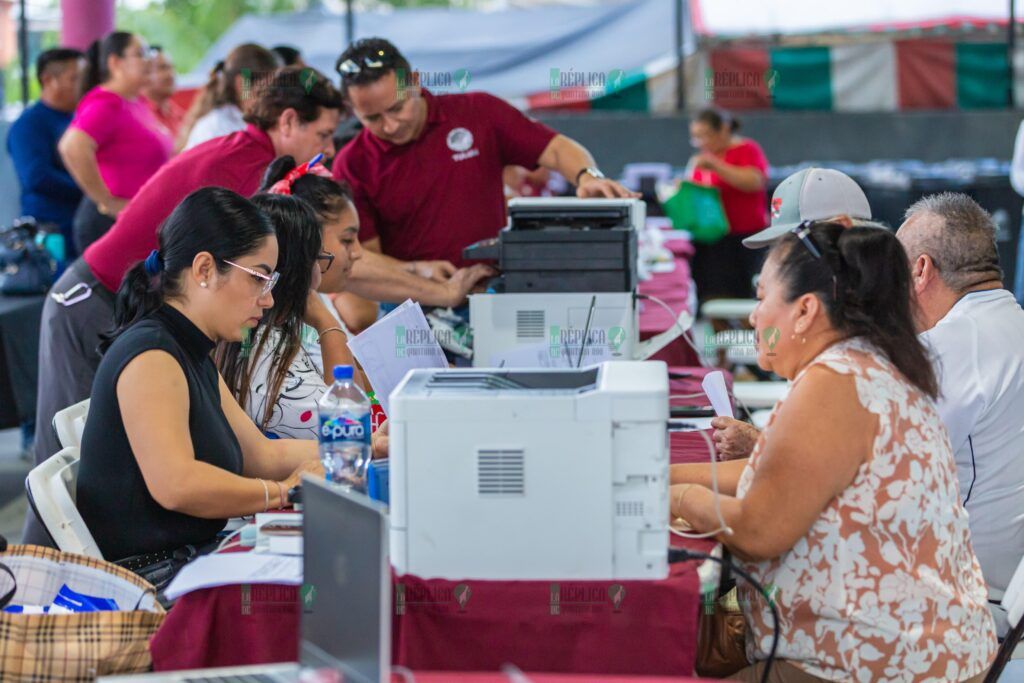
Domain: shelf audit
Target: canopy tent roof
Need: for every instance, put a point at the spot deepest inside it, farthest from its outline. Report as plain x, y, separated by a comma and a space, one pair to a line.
510, 53
730, 19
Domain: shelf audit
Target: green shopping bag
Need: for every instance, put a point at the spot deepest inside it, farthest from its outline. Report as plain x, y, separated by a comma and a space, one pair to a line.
698, 209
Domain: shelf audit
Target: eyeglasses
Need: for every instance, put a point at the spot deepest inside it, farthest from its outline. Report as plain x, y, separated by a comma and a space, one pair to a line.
325, 256
803, 233
351, 67
266, 282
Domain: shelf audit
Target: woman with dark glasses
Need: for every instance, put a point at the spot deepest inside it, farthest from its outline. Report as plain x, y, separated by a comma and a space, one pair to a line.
283, 368
167, 454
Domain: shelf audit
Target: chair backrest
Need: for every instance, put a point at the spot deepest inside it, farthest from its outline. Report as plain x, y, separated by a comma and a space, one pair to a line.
70, 424
51, 493
1013, 603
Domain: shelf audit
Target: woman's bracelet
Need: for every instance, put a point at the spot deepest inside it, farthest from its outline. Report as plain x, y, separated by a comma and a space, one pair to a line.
280, 492
329, 329
266, 495
681, 495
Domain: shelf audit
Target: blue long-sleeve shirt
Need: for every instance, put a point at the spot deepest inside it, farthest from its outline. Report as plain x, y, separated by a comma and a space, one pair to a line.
47, 190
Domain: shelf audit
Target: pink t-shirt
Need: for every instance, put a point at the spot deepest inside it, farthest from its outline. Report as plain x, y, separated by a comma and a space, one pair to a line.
130, 144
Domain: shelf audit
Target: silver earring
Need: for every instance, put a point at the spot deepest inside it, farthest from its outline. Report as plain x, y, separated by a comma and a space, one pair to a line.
203, 285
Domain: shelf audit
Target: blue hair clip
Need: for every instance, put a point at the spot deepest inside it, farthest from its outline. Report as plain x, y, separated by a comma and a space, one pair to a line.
154, 264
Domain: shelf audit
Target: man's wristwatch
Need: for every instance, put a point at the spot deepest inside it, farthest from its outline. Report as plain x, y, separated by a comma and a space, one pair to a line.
591, 171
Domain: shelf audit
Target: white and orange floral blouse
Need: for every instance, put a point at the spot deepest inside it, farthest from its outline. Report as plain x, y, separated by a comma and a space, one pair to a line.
884, 585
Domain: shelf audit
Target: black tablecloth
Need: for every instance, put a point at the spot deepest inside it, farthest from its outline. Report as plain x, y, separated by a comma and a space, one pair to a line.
19, 357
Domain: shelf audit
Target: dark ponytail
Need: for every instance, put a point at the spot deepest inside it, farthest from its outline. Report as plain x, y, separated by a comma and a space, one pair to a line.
211, 219
298, 242
717, 119
863, 280
327, 196
96, 70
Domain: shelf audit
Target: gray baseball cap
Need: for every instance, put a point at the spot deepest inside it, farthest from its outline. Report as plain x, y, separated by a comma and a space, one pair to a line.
812, 194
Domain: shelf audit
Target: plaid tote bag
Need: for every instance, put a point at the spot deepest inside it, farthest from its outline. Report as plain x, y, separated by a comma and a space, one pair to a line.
38, 648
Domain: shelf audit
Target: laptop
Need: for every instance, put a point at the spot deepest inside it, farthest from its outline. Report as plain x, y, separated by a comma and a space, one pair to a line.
346, 598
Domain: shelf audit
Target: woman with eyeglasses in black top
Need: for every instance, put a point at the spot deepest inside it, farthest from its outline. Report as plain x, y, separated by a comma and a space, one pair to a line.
167, 454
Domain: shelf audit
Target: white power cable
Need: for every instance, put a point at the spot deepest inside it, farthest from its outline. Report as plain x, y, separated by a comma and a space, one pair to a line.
722, 526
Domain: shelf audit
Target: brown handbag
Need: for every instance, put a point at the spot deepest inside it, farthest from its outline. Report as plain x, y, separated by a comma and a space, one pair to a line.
721, 634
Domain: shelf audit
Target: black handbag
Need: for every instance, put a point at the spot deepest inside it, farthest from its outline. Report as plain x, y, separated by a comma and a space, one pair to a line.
26, 267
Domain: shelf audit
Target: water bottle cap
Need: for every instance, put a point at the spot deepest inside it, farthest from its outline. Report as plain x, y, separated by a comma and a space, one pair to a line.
342, 372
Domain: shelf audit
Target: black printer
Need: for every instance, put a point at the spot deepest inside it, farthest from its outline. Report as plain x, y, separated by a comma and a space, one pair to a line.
562, 244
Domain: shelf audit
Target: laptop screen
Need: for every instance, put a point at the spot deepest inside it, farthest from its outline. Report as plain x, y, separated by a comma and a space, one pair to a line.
346, 595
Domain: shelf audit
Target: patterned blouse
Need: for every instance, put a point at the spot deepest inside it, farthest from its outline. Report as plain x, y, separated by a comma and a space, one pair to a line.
884, 585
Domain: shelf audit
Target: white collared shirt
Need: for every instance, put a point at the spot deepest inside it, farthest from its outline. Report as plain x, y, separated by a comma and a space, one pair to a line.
978, 350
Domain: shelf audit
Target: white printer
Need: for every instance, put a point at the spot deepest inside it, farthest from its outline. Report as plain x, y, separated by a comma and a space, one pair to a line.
531, 474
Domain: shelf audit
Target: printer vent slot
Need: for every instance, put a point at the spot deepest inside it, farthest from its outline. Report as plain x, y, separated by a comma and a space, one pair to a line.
530, 324
500, 473
629, 508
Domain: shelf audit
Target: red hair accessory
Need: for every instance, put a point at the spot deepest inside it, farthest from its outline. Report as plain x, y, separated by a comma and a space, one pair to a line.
284, 185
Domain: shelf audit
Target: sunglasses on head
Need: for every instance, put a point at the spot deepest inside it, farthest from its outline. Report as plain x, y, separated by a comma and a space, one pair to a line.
803, 233
350, 67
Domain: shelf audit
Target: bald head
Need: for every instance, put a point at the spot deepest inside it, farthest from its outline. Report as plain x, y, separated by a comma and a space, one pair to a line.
957, 235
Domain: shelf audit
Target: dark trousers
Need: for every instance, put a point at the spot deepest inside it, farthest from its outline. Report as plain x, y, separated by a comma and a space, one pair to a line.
68, 359
89, 224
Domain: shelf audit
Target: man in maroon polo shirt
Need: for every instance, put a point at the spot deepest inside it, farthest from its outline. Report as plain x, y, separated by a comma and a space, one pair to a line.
296, 114
426, 170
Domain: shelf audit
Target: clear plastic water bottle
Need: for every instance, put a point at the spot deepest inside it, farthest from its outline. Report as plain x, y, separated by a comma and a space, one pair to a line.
345, 430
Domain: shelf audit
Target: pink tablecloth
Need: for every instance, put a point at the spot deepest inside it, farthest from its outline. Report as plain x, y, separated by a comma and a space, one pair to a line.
585, 627
673, 289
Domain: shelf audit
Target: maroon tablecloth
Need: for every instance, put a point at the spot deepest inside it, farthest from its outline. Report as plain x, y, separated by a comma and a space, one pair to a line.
475, 677
585, 627
674, 289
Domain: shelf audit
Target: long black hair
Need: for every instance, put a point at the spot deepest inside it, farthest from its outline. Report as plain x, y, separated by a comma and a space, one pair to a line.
211, 219
328, 197
96, 69
299, 242
863, 280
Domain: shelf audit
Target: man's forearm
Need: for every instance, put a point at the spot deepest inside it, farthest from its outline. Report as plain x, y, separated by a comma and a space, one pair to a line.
375, 278
568, 157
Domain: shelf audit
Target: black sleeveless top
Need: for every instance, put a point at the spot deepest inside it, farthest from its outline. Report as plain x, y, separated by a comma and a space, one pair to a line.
113, 499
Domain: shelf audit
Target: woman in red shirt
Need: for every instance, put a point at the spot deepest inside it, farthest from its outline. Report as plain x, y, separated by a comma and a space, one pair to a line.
739, 169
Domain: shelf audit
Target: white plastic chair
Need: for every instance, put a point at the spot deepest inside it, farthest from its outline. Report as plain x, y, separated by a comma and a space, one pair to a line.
51, 494
1013, 603
755, 395
728, 309
70, 424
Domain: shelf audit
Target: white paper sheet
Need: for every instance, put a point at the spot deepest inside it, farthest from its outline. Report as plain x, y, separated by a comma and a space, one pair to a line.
397, 343
226, 569
714, 387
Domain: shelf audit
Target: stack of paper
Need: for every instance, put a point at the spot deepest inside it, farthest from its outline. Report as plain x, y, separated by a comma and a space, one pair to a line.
397, 343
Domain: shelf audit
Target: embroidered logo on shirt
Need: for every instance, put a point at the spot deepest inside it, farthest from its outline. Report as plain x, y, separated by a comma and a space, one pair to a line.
459, 140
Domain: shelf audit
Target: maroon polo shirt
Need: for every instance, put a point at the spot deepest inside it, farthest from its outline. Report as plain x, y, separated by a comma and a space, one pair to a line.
236, 162
432, 197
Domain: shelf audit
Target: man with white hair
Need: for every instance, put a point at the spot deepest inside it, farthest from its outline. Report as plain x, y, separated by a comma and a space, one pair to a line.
974, 328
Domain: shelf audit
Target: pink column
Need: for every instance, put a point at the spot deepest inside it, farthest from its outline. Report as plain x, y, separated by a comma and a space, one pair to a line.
84, 21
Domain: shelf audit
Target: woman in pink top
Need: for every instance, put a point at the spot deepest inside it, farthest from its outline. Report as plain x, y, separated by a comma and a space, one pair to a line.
848, 510
114, 144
